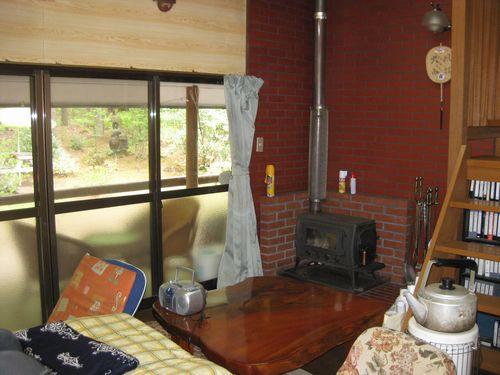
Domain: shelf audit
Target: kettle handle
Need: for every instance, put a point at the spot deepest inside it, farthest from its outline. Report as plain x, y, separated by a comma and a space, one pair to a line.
443, 262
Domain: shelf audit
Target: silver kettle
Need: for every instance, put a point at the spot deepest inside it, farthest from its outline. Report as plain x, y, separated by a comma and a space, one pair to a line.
446, 307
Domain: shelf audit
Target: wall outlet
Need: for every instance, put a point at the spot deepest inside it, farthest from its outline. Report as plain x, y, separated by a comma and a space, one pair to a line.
259, 145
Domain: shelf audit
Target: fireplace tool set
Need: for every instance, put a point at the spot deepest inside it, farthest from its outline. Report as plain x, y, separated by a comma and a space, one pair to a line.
426, 211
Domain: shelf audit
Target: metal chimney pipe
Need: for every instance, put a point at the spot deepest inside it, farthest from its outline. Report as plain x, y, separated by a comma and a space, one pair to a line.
318, 136
319, 52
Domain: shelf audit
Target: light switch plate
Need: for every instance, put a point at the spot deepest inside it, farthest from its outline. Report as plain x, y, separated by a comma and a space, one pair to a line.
259, 145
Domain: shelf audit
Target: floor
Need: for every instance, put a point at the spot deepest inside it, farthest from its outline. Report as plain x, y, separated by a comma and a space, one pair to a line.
328, 363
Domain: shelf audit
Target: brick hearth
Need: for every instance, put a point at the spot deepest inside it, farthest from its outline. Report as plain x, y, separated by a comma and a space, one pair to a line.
278, 216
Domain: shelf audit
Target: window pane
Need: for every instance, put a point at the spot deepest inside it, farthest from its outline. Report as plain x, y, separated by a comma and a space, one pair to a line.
114, 233
16, 158
183, 119
194, 233
20, 287
99, 137
213, 142
173, 144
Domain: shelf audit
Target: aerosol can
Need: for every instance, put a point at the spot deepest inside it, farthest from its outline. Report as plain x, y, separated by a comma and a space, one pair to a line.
270, 180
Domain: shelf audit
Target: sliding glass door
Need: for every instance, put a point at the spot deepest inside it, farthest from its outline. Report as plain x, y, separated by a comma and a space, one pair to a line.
99, 136
19, 278
109, 164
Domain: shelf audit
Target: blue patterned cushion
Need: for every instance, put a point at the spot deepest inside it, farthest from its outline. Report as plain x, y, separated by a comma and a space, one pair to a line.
66, 351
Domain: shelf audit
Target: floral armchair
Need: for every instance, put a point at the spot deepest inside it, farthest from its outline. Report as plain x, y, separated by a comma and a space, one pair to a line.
387, 352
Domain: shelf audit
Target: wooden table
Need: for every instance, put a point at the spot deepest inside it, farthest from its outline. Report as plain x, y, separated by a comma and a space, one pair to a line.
270, 325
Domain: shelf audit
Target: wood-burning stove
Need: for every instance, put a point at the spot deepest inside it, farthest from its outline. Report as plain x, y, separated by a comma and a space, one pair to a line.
337, 250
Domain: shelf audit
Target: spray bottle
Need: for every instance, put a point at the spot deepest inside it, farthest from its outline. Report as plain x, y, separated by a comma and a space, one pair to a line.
269, 180
352, 183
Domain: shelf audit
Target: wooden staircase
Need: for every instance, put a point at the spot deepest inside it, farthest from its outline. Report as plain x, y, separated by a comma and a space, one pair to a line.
447, 241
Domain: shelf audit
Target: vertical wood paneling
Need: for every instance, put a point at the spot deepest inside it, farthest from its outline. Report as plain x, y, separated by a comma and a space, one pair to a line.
482, 102
206, 36
460, 65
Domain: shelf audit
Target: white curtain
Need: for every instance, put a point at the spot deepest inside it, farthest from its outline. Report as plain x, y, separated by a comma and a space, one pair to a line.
241, 257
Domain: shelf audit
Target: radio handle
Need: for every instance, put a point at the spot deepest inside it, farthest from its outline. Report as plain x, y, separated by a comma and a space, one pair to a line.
185, 269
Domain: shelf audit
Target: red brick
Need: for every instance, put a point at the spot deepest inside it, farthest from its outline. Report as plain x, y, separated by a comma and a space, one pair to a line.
384, 251
394, 244
392, 261
273, 208
268, 233
267, 218
271, 241
351, 205
272, 257
390, 219
267, 249
395, 228
286, 230
293, 205
373, 208
284, 247
392, 236
285, 215
274, 225
396, 211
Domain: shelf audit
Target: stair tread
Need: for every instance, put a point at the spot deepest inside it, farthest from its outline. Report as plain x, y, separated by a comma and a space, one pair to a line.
483, 168
484, 161
472, 249
477, 204
492, 130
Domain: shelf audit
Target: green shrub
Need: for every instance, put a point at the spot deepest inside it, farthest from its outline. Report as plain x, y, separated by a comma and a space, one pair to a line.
9, 183
76, 144
94, 158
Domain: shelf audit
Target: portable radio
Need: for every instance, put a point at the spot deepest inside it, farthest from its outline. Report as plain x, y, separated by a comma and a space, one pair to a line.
181, 296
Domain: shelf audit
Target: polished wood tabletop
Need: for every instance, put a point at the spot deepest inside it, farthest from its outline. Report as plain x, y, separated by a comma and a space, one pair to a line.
270, 325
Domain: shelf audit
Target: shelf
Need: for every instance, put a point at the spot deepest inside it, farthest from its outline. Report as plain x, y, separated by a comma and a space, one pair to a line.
483, 168
488, 304
477, 204
490, 360
483, 132
470, 249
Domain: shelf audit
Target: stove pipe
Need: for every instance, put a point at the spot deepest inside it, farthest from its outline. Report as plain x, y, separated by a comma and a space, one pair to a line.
318, 135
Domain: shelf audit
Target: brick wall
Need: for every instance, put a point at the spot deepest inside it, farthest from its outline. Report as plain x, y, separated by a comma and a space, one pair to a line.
384, 110
280, 49
278, 216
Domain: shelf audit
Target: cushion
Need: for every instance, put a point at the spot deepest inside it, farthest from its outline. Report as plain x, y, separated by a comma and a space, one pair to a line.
8, 341
66, 351
18, 363
96, 287
156, 353
384, 351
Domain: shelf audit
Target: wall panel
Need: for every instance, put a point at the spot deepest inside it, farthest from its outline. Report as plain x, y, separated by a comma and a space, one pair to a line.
207, 36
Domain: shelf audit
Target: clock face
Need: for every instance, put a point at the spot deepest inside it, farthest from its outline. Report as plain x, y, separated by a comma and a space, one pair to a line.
438, 64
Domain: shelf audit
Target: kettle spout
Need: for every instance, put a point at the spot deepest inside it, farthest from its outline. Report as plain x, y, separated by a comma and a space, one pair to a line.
418, 308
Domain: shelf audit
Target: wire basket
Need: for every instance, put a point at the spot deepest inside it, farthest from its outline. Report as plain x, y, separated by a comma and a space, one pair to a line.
466, 357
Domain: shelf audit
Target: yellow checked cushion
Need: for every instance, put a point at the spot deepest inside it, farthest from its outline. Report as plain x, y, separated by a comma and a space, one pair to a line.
156, 353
